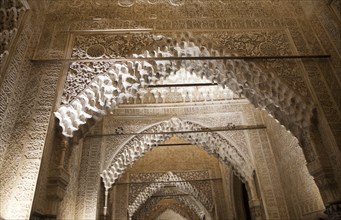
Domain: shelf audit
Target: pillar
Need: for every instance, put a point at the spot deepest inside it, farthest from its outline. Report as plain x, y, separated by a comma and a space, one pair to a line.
58, 180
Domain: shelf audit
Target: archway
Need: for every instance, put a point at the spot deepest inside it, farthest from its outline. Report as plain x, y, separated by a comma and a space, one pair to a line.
120, 81
212, 142
156, 206
113, 82
202, 206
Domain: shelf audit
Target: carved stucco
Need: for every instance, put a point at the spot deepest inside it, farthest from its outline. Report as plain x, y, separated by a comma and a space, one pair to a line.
27, 93
103, 93
166, 180
20, 174
186, 207
211, 118
192, 177
222, 15
11, 13
299, 38
301, 187
211, 142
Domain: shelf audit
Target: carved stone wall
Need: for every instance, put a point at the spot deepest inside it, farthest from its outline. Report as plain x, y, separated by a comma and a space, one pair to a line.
301, 193
289, 15
89, 180
22, 160
305, 27
289, 103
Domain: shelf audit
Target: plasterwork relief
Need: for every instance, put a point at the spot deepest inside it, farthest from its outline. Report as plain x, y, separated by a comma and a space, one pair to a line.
112, 124
193, 9
118, 45
284, 18
12, 88
88, 188
164, 180
131, 125
211, 142
180, 205
67, 208
129, 3
326, 100
18, 107
238, 138
268, 176
302, 186
23, 160
203, 187
289, 106
11, 15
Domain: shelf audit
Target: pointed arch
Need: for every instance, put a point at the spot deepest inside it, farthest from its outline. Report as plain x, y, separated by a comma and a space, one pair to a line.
167, 179
151, 205
115, 82
211, 142
177, 208
172, 209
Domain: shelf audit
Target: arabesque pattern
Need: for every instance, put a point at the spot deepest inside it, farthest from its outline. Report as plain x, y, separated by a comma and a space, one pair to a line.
116, 82
165, 180
213, 143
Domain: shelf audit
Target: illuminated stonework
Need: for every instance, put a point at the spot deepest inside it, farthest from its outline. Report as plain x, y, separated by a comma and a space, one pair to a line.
56, 44
112, 83
165, 180
211, 142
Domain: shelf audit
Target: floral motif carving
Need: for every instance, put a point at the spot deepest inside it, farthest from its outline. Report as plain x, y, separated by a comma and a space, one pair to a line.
113, 45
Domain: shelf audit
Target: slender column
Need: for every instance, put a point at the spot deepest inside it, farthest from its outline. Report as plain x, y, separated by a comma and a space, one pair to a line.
105, 203
64, 147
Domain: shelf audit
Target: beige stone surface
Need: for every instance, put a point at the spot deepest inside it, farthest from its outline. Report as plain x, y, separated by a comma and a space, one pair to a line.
288, 175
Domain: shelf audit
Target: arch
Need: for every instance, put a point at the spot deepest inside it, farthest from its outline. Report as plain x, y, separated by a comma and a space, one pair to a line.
115, 82
160, 211
171, 179
211, 142
151, 204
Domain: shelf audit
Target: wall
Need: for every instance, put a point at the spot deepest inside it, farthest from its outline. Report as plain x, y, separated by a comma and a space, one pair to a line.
301, 193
